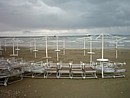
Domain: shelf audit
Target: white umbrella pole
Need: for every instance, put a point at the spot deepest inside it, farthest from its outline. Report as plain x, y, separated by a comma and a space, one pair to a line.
90, 50
5, 45
102, 53
17, 48
57, 50
102, 70
64, 47
0, 48
46, 52
0, 45
116, 49
13, 46
30, 47
102, 45
84, 46
35, 49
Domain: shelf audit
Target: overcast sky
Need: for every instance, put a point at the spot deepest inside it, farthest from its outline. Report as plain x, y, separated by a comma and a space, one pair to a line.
33, 17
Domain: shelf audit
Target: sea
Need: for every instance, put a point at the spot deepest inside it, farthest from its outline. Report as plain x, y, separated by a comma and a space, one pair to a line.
68, 42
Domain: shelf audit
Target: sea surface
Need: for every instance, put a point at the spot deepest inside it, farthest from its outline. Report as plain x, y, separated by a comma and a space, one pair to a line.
68, 42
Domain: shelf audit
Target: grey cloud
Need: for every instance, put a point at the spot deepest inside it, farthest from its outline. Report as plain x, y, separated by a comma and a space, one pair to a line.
63, 14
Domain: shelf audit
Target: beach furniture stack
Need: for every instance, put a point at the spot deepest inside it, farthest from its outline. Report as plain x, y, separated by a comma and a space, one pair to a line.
37, 69
27, 68
103, 68
64, 70
119, 69
89, 70
76, 71
107, 69
69, 70
8, 70
110, 69
34, 69
51, 70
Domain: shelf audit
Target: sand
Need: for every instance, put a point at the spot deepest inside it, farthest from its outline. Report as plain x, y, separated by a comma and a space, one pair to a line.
70, 88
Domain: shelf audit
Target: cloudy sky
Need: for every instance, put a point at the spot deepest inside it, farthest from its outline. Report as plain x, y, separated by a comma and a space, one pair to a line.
41, 17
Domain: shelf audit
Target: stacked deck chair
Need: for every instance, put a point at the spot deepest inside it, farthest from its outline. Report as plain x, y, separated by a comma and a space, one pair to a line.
27, 68
34, 69
76, 71
64, 70
119, 69
38, 69
10, 72
51, 70
106, 69
89, 70
111, 69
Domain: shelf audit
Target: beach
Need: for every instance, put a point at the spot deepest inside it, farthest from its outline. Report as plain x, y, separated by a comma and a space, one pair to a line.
64, 49
69, 88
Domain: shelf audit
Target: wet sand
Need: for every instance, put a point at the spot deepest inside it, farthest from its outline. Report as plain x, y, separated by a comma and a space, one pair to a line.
70, 88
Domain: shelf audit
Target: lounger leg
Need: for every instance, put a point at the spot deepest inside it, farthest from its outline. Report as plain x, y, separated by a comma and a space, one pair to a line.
5, 82
21, 76
71, 75
45, 74
84, 75
95, 75
33, 75
58, 75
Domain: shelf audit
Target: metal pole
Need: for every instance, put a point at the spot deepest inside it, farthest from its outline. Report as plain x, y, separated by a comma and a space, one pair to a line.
46, 51
35, 49
57, 49
30, 47
0, 48
116, 49
102, 45
64, 47
90, 50
102, 53
84, 46
5, 45
102, 69
13, 46
17, 47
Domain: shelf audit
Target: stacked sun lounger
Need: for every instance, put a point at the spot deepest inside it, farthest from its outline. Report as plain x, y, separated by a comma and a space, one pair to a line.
71, 70
111, 69
89, 70
34, 69
76, 71
119, 69
9, 69
51, 70
64, 70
